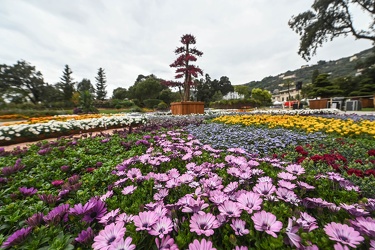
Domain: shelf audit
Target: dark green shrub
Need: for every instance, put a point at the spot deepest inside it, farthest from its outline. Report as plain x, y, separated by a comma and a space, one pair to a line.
137, 102
162, 106
126, 103
151, 103
135, 108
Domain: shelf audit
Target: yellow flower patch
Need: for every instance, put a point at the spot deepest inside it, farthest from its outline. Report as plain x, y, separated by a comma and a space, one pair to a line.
309, 124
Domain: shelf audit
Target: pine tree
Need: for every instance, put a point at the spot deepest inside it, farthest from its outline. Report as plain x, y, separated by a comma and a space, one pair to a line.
101, 92
66, 84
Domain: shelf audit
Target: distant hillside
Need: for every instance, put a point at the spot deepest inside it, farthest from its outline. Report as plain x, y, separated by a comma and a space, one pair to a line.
338, 68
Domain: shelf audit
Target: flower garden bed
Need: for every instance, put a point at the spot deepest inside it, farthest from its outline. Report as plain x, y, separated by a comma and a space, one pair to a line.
207, 185
54, 127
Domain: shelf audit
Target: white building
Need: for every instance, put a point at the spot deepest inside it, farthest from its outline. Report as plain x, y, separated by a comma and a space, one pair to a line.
283, 95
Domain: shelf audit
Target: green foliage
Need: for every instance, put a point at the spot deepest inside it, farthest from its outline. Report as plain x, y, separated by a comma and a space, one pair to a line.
207, 88
86, 100
167, 96
84, 85
135, 108
34, 112
66, 86
21, 83
120, 93
162, 106
101, 92
343, 67
263, 97
243, 90
327, 20
151, 103
146, 88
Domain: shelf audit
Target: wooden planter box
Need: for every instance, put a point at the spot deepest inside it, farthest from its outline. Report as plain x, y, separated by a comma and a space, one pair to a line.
318, 104
186, 108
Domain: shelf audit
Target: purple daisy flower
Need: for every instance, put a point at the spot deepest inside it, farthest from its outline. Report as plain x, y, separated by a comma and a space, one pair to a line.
338, 246
161, 194
161, 210
186, 178
96, 212
240, 248
250, 201
27, 191
203, 223
124, 218
218, 197
231, 187
354, 210
264, 188
64, 168
35, 220
108, 236
173, 173
17, 237
286, 176
343, 233
166, 243
107, 195
287, 195
145, 220
264, 179
286, 184
202, 245
85, 237
264, 221
128, 190
162, 227
105, 140
364, 225
194, 206
57, 215
295, 169
80, 209
307, 222
239, 227
372, 244
134, 174
49, 198
230, 209
110, 217
123, 244
293, 238
57, 183
305, 185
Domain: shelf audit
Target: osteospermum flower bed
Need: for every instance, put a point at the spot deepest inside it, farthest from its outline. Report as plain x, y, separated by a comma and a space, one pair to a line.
167, 189
58, 127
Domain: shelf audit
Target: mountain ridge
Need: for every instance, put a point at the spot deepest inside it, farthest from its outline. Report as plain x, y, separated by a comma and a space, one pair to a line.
345, 66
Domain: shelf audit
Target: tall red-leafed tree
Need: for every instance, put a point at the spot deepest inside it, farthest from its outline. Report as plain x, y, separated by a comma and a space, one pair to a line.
184, 68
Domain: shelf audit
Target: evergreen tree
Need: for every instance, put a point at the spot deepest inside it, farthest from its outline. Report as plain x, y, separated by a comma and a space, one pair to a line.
66, 85
84, 85
101, 92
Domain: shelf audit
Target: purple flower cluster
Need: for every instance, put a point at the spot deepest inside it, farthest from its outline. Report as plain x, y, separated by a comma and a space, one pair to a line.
227, 189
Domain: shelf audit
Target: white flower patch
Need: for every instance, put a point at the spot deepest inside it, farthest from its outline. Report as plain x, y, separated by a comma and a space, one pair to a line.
52, 126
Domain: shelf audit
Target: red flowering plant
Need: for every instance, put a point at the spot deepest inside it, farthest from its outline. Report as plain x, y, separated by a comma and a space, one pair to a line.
184, 68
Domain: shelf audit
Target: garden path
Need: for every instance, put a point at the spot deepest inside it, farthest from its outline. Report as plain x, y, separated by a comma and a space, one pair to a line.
27, 144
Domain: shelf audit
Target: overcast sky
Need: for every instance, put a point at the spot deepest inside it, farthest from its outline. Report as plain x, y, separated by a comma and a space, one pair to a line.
245, 40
